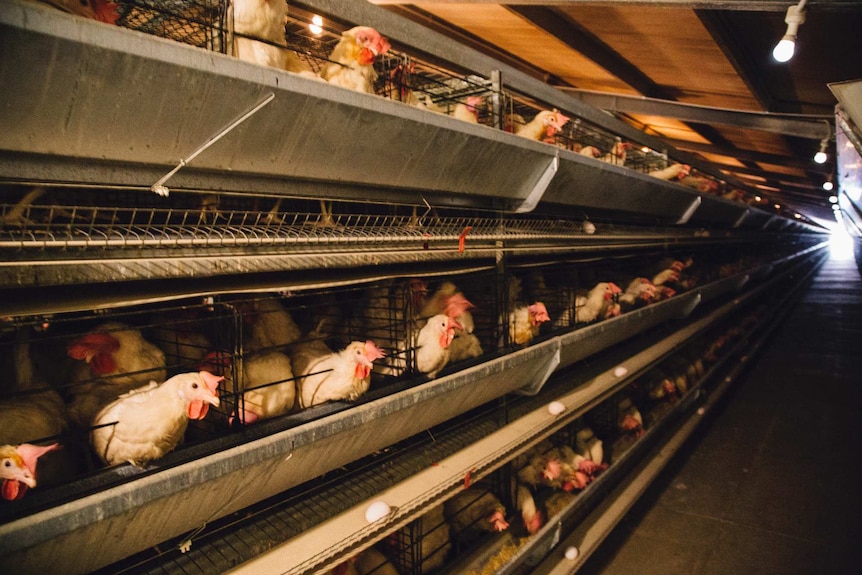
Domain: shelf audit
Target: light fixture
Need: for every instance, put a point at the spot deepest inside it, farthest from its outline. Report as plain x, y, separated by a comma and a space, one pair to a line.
783, 51
827, 185
835, 207
777, 206
833, 199
758, 199
797, 216
820, 157
316, 26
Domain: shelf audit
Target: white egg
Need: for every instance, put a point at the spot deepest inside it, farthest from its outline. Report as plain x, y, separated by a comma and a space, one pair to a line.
620, 371
589, 228
376, 511
556, 407
571, 553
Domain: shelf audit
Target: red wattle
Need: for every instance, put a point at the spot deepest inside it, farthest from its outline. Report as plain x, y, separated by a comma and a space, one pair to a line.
198, 409
366, 57
361, 371
13, 489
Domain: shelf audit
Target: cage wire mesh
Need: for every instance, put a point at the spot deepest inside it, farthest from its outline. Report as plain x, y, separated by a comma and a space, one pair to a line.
422, 546
199, 23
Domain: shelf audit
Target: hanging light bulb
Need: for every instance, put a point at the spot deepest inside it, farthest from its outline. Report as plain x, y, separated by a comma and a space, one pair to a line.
820, 157
316, 25
833, 199
827, 185
785, 48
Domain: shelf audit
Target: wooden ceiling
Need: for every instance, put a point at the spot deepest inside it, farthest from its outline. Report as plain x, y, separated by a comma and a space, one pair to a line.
710, 53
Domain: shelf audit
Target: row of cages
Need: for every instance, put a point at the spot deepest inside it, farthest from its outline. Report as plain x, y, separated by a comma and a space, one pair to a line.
488, 524
491, 525
290, 356
309, 44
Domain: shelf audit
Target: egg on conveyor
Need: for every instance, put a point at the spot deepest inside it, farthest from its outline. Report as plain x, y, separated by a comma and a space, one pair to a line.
377, 510
556, 407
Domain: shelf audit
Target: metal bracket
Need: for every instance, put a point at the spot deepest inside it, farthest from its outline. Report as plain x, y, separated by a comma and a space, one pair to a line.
690, 211
541, 185
553, 362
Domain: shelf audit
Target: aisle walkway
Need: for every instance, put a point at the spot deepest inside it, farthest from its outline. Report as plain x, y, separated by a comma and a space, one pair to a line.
774, 485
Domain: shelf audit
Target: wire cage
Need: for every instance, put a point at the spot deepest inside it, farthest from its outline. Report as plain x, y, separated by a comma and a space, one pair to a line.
200, 23
395, 313
422, 546
433, 88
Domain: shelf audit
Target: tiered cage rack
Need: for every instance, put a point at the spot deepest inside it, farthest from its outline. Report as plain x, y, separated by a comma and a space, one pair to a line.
318, 199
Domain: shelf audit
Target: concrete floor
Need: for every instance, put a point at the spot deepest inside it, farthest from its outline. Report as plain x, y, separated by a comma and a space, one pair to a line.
772, 485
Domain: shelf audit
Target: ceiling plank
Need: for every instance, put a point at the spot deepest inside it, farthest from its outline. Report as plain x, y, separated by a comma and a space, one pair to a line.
582, 40
734, 5
753, 156
812, 127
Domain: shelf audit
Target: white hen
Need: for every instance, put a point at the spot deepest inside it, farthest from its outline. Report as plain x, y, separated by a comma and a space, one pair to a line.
264, 20
150, 421
352, 60
324, 375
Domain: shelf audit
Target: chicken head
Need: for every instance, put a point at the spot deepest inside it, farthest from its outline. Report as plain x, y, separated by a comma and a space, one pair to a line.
200, 390
371, 43
365, 355
18, 468
538, 313
97, 350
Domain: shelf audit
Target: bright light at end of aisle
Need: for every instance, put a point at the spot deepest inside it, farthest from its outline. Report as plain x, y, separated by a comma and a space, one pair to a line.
841, 243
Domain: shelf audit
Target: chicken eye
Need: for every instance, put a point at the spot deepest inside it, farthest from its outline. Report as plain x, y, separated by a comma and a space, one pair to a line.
194, 385
7, 463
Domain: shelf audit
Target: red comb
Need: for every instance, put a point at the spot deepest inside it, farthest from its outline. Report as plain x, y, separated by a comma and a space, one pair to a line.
456, 304
92, 343
211, 380
539, 312
30, 453
373, 352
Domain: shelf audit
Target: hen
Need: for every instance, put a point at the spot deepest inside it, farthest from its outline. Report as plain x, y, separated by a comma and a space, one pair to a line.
432, 344
596, 302
259, 28
672, 172
543, 126
324, 375
351, 63
531, 515
449, 300
18, 468
525, 322
32, 413
150, 421
640, 292
267, 385
114, 359
269, 325
468, 111
474, 511
589, 446
616, 156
